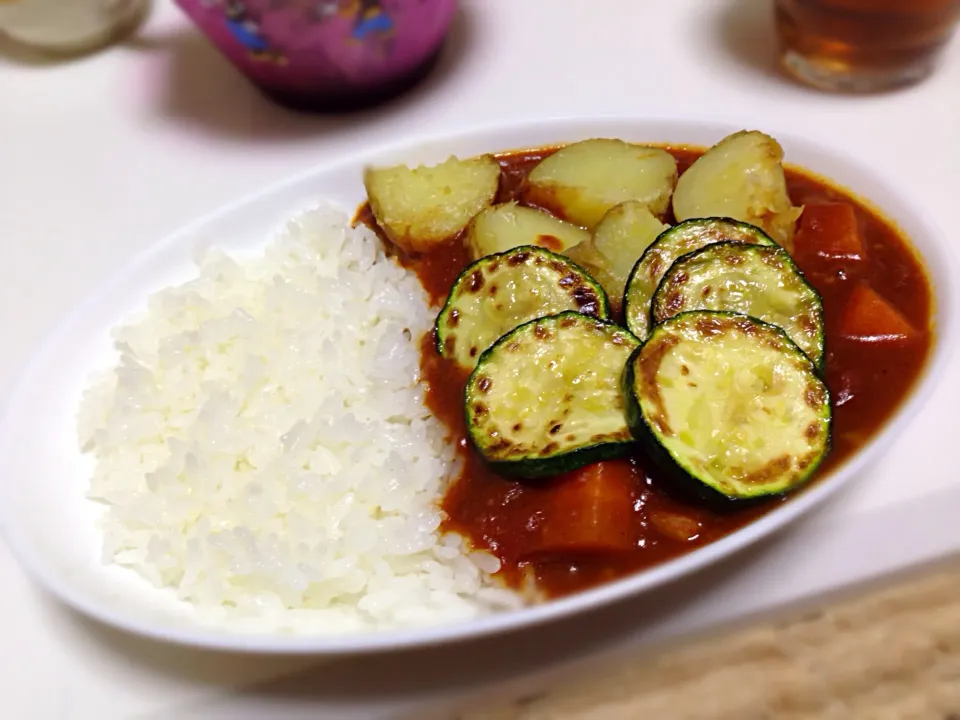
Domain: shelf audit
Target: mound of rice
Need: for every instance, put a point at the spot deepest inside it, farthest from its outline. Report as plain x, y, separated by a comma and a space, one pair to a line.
262, 446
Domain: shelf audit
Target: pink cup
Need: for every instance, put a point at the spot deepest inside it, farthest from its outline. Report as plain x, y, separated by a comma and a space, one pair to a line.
326, 55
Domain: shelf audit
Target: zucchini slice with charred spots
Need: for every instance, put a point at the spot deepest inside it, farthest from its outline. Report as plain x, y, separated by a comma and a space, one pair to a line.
727, 406
671, 244
760, 281
545, 398
499, 292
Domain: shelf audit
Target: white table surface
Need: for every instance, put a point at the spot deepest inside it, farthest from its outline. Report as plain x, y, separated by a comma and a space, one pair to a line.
102, 156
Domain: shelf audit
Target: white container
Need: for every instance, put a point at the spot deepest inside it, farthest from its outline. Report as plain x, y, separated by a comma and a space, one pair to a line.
69, 26
50, 526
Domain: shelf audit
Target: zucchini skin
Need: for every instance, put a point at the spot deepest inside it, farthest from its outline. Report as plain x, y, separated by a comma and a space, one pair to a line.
782, 255
556, 463
677, 479
595, 302
538, 469
713, 229
682, 480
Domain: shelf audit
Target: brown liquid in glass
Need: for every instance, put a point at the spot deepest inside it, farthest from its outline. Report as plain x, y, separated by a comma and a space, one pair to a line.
863, 45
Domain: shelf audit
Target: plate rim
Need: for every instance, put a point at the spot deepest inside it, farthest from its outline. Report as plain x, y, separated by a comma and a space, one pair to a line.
947, 318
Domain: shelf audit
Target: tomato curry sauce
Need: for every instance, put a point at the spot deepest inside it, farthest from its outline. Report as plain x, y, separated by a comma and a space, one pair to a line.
616, 517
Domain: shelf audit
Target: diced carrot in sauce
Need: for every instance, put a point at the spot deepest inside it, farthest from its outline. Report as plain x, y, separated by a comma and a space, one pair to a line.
869, 317
829, 230
589, 510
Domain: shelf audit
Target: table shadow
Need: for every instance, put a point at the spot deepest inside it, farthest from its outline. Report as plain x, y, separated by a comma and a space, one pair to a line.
198, 88
744, 31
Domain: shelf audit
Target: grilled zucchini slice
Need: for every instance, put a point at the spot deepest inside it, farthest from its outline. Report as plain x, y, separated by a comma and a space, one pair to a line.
545, 398
499, 292
755, 280
670, 245
727, 406
503, 227
582, 181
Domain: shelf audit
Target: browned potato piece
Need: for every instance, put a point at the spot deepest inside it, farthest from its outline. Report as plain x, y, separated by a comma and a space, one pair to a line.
617, 243
582, 181
741, 177
423, 206
503, 227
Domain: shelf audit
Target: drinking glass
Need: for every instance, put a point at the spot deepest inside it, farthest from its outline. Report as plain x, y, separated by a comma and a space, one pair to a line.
863, 45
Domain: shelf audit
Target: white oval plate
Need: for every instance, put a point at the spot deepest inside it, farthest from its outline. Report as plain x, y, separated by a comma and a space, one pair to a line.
50, 525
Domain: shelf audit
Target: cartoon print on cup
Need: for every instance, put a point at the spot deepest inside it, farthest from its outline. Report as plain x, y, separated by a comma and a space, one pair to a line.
370, 23
245, 26
371, 19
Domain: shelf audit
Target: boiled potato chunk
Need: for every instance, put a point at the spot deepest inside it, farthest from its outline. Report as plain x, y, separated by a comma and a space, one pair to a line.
503, 227
421, 207
618, 242
741, 177
582, 181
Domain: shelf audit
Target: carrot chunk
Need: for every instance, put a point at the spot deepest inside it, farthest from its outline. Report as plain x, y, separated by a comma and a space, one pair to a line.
589, 510
829, 230
869, 317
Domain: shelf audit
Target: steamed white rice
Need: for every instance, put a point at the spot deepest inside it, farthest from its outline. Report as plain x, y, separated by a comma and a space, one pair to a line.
262, 447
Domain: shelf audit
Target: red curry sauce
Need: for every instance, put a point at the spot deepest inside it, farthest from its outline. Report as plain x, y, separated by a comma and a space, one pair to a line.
868, 381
